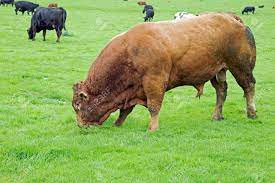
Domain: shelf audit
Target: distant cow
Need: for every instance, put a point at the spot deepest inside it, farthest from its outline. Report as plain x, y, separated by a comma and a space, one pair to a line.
146, 7
183, 15
141, 3
25, 6
149, 11
6, 2
53, 5
47, 19
149, 15
248, 9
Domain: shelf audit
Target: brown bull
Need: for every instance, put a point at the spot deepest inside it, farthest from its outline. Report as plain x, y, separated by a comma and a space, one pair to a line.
139, 66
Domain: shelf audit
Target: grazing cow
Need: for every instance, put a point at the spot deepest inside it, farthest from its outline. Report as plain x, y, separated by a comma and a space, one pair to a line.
248, 9
53, 5
262, 6
47, 19
25, 6
139, 66
183, 16
147, 7
141, 3
149, 11
149, 15
7, 2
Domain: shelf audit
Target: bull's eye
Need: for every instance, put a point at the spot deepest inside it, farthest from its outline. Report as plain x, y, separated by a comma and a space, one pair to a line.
83, 96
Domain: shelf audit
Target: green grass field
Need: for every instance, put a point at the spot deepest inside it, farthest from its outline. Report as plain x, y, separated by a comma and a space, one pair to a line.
40, 142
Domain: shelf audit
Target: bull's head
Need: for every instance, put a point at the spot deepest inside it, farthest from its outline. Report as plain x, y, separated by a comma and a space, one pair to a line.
91, 109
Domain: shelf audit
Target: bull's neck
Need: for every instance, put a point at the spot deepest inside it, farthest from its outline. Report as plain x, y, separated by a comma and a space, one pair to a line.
110, 80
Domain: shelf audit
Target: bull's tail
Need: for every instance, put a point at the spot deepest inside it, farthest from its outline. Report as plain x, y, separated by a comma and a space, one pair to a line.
64, 17
251, 41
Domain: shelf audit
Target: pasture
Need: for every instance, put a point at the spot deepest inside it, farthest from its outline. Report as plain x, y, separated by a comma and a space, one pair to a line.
40, 142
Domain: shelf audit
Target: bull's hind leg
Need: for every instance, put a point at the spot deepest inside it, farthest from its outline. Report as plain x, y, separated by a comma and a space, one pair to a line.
220, 85
246, 80
123, 113
242, 66
242, 71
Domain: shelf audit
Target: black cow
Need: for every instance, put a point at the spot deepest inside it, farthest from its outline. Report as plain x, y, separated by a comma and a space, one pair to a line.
6, 2
149, 10
248, 9
47, 19
25, 6
262, 6
146, 7
149, 15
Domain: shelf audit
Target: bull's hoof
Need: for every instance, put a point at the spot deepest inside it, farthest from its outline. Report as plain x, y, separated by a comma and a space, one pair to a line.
251, 112
152, 128
251, 115
118, 123
217, 117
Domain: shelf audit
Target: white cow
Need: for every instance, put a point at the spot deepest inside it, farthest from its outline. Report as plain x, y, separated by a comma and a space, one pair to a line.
183, 15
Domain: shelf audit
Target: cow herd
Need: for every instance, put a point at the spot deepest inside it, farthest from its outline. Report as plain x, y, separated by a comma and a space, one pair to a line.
54, 17
149, 12
43, 18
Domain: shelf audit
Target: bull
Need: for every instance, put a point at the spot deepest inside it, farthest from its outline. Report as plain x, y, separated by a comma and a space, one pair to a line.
139, 66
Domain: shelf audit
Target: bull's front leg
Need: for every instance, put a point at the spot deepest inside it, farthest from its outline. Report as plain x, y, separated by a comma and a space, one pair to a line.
154, 87
123, 113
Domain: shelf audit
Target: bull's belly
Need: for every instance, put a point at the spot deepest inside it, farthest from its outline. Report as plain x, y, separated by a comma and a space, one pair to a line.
194, 73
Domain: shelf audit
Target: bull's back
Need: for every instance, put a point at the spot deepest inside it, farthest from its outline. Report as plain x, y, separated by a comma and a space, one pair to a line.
196, 48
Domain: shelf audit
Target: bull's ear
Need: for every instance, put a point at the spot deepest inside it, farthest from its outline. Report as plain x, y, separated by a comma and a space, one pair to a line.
83, 95
75, 87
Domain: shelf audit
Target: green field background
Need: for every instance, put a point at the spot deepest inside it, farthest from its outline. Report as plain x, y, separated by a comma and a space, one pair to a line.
40, 142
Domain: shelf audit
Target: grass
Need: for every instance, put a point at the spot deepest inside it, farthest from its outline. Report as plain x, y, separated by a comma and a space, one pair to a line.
39, 141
